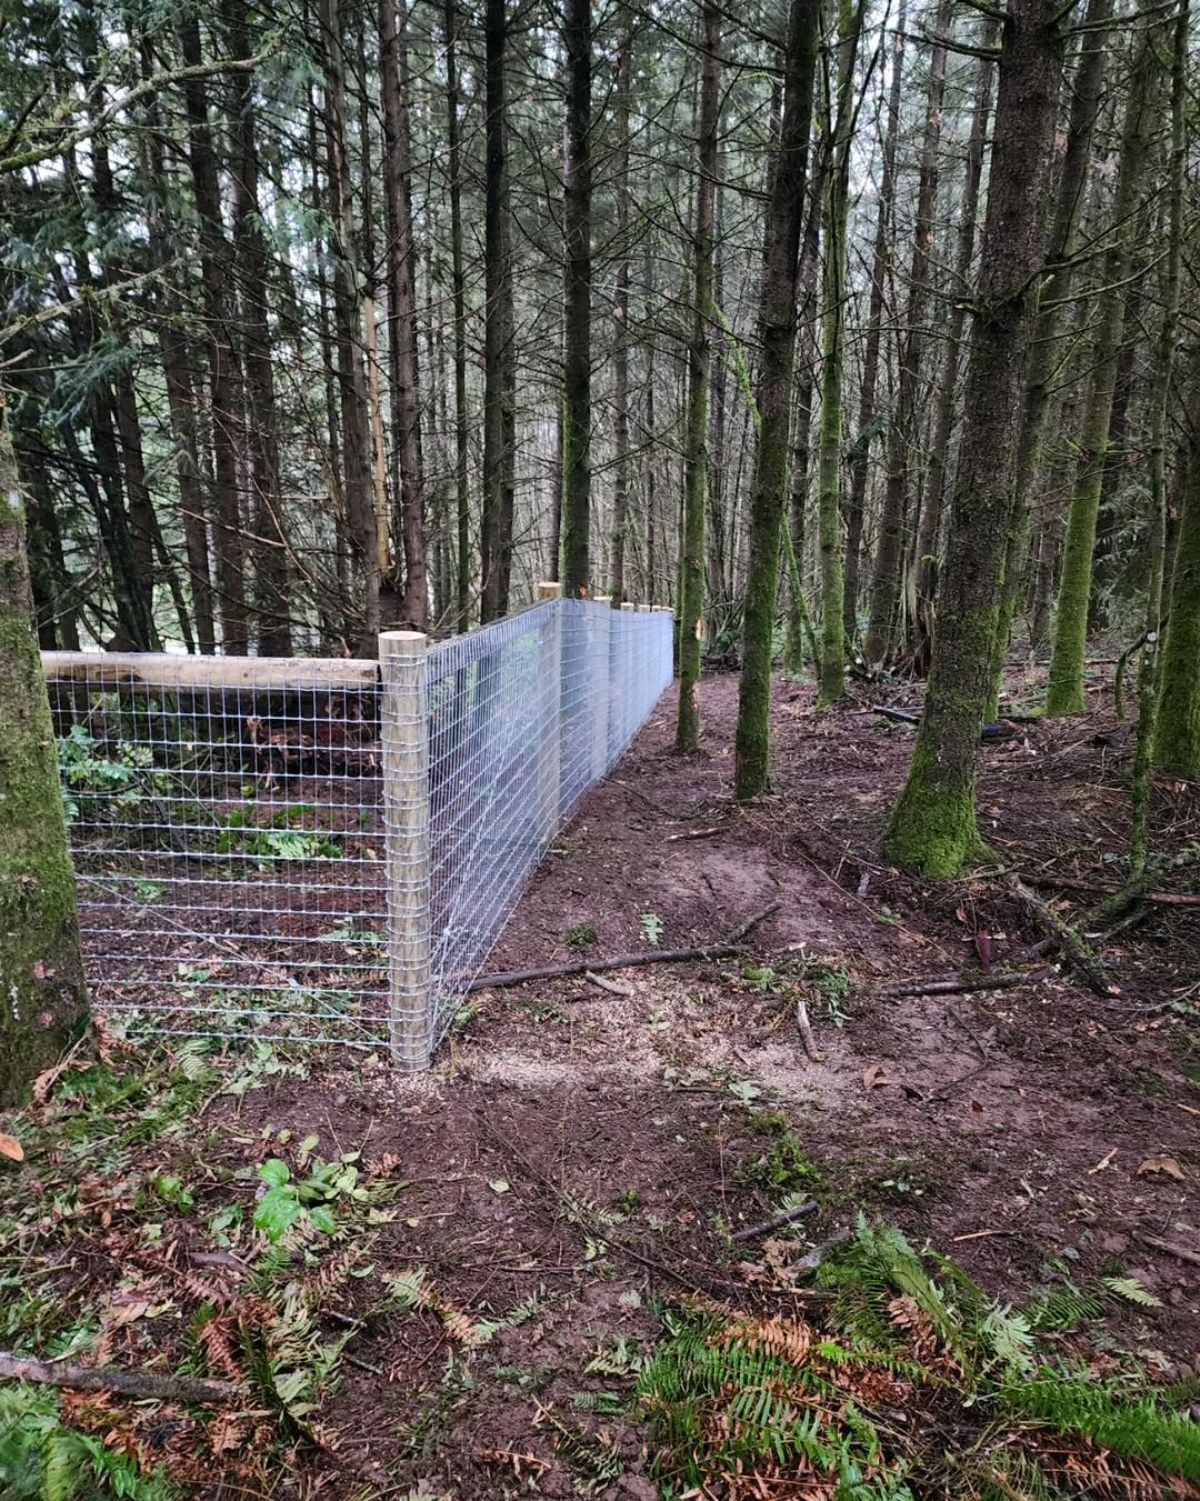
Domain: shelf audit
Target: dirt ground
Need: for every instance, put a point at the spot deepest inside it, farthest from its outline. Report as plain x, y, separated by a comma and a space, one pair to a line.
581, 1153
1032, 1133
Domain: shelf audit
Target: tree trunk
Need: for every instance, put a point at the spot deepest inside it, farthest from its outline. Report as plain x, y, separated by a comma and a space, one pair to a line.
459, 293
799, 625
223, 374
272, 598
402, 315
695, 484
1040, 376
621, 469
933, 828
1160, 400
880, 257
41, 969
777, 343
902, 434
1065, 691
928, 532
833, 354
352, 383
499, 409
577, 228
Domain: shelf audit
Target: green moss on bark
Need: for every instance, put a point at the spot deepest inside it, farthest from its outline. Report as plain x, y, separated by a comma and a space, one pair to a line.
1177, 736
933, 827
43, 1003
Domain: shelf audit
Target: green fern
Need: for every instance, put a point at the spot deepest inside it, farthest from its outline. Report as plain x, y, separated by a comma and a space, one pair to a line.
1131, 1291
41, 1459
1137, 1430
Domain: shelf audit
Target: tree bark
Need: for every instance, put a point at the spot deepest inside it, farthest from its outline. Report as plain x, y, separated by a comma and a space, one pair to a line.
41, 969
402, 315
833, 355
499, 398
880, 258
352, 384
271, 590
929, 530
1065, 691
933, 827
458, 285
777, 356
223, 374
902, 435
577, 228
621, 469
1143, 756
1041, 372
695, 486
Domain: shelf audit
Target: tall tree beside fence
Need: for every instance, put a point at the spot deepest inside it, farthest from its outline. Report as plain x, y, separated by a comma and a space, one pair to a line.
41, 972
777, 336
934, 827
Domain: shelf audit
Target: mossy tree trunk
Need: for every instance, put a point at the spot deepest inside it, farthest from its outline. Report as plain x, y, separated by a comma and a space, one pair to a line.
43, 1003
1065, 692
777, 338
833, 354
925, 563
933, 827
1156, 541
1177, 737
1043, 366
695, 484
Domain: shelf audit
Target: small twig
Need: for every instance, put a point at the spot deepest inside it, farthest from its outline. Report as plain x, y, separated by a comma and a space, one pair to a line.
806, 1034
109, 1379
697, 833
752, 1232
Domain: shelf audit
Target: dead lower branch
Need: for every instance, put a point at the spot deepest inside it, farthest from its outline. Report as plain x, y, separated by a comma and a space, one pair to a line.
109, 1379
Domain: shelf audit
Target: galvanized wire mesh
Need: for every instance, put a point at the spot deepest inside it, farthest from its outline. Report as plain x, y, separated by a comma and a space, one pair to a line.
328, 850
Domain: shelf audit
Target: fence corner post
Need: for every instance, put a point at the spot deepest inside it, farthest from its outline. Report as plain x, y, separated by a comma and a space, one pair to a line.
404, 733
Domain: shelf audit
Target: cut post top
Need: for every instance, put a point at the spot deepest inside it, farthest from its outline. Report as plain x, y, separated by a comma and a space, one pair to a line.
549, 590
403, 643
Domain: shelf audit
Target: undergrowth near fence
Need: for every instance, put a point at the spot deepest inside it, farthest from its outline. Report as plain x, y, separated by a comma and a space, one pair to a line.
906, 1381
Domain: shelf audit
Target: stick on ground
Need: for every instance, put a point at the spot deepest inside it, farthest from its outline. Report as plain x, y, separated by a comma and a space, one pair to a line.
109, 1379
752, 1232
1074, 947
734, 944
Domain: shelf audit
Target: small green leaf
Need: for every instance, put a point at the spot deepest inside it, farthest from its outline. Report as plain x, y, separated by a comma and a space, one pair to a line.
274, 1173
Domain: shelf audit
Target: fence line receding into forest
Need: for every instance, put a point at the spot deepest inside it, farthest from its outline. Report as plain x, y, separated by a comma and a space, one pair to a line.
326, 850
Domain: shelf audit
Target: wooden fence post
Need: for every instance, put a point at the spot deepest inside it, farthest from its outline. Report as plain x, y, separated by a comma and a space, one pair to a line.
601, 672
550, 749
404, 728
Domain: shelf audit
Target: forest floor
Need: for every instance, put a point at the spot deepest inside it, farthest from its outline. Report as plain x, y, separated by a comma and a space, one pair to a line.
514, 1224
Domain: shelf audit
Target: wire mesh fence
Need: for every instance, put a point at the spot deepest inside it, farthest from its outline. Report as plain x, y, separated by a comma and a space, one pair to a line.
328, 850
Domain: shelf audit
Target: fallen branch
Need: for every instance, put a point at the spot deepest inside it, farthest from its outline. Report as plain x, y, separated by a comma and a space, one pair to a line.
997, 729
1075, 948
752, 1232
734, 944
1093, 888
109, 1379
697, 833
960, 984
806, 1034
1181, 1252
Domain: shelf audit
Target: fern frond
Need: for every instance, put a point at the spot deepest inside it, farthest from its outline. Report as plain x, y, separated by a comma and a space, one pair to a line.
1134, 1430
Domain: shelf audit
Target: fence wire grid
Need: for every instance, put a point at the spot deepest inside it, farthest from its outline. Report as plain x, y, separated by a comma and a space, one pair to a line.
327, 851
